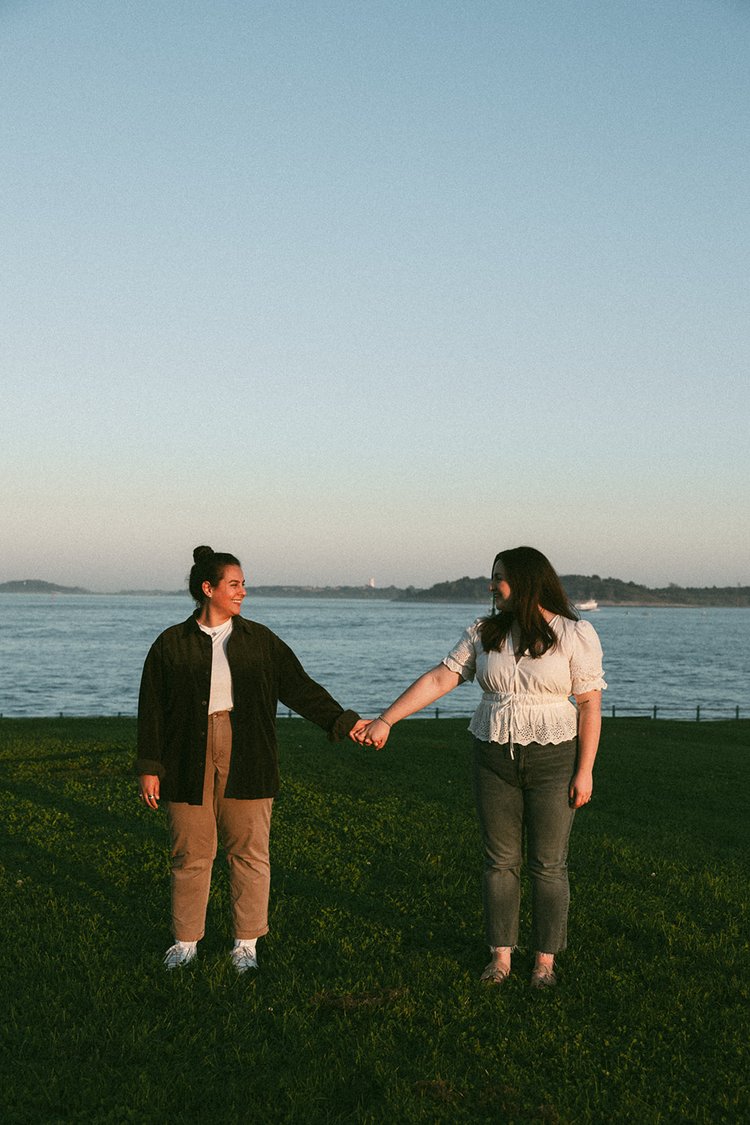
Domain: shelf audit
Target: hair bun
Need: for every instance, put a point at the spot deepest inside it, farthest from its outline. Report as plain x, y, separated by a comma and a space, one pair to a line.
202, 553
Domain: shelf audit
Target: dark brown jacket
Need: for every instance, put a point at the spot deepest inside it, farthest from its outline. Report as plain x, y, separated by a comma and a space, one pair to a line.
173, 709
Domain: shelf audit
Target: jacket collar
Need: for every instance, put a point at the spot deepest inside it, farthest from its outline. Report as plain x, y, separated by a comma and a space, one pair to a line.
191, 625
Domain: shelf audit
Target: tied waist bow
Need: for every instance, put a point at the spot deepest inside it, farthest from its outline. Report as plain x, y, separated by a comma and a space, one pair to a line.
507, 703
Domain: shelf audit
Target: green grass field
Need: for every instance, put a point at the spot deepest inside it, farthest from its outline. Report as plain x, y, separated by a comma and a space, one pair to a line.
367, 1006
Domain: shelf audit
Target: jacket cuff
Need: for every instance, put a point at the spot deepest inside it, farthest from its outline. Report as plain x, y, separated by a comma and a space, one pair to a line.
342, 726
149, 765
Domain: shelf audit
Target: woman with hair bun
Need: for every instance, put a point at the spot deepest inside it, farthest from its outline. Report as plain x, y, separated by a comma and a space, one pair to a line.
207, 746
533, 750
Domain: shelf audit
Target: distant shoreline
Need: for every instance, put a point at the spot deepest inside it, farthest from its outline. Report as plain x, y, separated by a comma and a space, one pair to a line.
466, 591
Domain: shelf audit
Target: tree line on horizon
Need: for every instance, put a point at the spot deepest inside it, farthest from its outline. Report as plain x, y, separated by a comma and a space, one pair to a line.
604, 591
579, 588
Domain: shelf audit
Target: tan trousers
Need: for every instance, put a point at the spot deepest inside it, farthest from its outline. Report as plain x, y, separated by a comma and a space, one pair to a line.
242, 826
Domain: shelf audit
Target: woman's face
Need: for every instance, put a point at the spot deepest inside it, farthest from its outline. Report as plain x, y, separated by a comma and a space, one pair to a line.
226, 598
499, 586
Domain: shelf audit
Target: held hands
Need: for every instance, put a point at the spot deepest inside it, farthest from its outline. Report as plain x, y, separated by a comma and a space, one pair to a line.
370, 732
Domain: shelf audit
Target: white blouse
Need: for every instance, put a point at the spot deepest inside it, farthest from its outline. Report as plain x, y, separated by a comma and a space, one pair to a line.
529, 700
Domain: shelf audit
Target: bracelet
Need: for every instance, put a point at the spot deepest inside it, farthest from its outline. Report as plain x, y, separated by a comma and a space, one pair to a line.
382, 720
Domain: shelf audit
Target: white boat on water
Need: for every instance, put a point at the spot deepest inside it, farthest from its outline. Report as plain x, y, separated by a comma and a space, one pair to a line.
587, 606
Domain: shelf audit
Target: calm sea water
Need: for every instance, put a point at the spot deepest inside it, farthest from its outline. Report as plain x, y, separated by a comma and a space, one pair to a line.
83, 654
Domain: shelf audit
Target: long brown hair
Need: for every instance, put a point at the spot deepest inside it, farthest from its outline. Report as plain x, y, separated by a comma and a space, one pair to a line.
533, 583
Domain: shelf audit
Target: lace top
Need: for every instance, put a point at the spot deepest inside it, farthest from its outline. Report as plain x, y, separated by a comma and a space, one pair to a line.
529, 700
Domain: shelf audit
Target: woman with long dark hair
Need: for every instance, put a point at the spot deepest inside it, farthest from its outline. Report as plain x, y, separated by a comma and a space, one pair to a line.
534, 750
207, 746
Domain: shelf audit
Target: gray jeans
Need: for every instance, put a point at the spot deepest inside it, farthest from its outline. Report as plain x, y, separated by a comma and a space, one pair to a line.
525, 794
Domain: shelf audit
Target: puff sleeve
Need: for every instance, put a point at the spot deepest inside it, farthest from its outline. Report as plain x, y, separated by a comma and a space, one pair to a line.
463, 658
586, 672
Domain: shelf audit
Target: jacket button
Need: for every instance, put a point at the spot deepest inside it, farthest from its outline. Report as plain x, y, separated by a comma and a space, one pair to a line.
204, 702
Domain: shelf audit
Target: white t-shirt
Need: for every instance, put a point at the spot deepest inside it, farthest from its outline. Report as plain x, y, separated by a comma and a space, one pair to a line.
220, 697
529, 700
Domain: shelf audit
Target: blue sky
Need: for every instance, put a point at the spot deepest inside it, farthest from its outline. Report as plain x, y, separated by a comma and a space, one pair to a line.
374, 290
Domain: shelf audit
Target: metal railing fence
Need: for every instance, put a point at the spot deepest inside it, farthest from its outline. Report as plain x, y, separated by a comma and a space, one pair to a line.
695, 712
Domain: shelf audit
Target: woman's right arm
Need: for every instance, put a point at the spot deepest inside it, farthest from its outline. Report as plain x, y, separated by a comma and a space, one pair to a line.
148, 764
431, 686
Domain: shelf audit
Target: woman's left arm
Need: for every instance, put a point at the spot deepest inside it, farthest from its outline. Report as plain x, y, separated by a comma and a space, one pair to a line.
589, 706
308, 698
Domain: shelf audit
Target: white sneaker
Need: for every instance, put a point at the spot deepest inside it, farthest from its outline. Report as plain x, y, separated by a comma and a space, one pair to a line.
181, 953
244, 957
